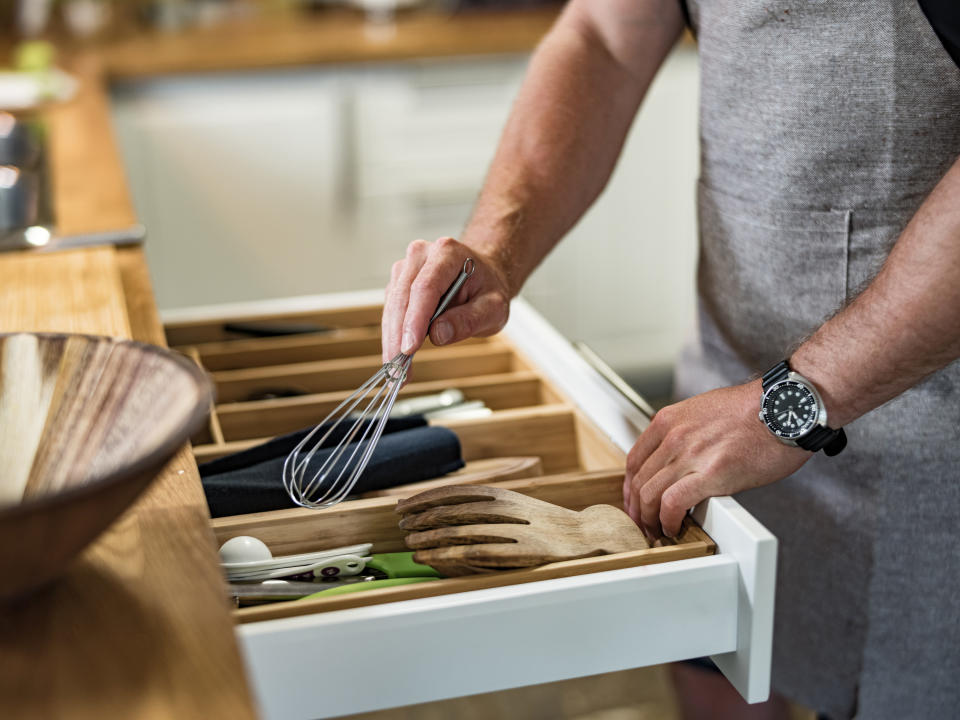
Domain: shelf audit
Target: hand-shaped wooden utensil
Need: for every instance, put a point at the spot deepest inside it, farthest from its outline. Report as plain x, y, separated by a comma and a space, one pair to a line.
461, 530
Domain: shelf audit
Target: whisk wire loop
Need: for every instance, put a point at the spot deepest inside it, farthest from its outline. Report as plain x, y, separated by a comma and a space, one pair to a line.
294, 466
316, 489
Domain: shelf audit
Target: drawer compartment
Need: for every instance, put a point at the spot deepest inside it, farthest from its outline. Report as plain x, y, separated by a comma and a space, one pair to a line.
499, 391
311, 373
239, 354
374, 520
207, 329
332, 375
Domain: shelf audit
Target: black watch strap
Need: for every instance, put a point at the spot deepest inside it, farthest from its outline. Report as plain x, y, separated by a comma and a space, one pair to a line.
823, 438
775, 374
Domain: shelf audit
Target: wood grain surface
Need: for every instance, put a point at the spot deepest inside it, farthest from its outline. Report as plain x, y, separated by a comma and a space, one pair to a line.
138, 626
86, 424
374, 520
282, 350
28, 380
332, 37
464, 530
349, 373
693, 543
89, 184
246, 420
72, 291
476, 472
105, 404
547, 431
288, 532
193, 332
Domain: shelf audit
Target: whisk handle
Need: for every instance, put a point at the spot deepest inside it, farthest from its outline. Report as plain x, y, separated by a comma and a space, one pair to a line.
468, 267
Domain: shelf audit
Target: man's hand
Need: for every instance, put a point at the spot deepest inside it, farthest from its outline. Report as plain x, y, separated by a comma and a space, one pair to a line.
554, 158
712, 444
419, 281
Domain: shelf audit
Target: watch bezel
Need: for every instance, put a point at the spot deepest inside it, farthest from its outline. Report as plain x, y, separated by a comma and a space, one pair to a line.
795, 379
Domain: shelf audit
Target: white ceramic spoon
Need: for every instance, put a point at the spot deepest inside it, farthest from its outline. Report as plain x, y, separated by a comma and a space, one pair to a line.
343, 565
250, 558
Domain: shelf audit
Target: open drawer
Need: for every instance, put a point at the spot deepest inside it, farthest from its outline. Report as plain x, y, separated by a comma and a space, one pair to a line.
710, 594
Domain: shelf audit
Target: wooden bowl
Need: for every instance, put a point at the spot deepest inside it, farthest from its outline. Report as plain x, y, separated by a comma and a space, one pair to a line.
85, 424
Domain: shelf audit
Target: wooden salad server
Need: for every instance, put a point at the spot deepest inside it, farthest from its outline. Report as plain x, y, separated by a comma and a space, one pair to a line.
466, 529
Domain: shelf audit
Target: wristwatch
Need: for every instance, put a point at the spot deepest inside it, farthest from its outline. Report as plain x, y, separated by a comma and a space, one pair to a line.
793, 411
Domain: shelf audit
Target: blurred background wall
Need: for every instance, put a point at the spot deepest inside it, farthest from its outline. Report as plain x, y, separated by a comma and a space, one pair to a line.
259, 183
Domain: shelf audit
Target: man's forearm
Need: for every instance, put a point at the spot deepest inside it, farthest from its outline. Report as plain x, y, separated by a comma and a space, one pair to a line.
567, 127
904, 325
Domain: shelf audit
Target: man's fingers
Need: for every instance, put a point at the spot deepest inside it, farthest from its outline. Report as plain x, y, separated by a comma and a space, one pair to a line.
435, 277
484, 315
678, 498
648, 441
398, 296
419, 282
655, 462
387, 319
645, 445
648, 488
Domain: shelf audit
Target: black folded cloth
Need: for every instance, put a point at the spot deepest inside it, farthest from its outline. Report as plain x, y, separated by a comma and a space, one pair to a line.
251, 480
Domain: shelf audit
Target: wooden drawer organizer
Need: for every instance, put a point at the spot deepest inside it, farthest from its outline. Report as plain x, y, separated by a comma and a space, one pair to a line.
579, 465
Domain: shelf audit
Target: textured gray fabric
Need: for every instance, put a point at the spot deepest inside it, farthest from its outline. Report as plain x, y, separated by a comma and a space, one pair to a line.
824, 124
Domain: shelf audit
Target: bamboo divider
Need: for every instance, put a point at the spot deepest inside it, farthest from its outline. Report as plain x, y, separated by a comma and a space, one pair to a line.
283, 350
246, 420
546, 431
191, 332
343, 373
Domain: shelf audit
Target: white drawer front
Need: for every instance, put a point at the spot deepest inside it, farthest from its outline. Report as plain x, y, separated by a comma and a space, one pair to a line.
420, 650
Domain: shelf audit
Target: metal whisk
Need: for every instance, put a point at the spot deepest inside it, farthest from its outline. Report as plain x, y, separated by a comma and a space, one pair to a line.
338, 473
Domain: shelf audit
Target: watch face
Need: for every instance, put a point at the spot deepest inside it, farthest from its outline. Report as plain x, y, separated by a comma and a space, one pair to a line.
790, 409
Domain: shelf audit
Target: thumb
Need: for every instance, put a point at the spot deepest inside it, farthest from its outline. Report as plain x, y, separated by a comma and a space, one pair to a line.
484, 315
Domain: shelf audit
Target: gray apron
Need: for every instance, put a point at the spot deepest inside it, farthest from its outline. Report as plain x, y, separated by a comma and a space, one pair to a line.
824, 125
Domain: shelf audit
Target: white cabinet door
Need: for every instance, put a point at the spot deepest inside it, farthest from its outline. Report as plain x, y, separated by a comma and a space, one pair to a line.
236, 179
423, 134
431, 126
262, 185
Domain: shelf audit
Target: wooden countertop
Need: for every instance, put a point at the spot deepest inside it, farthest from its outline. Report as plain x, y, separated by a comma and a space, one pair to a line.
139, 626
331, 37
